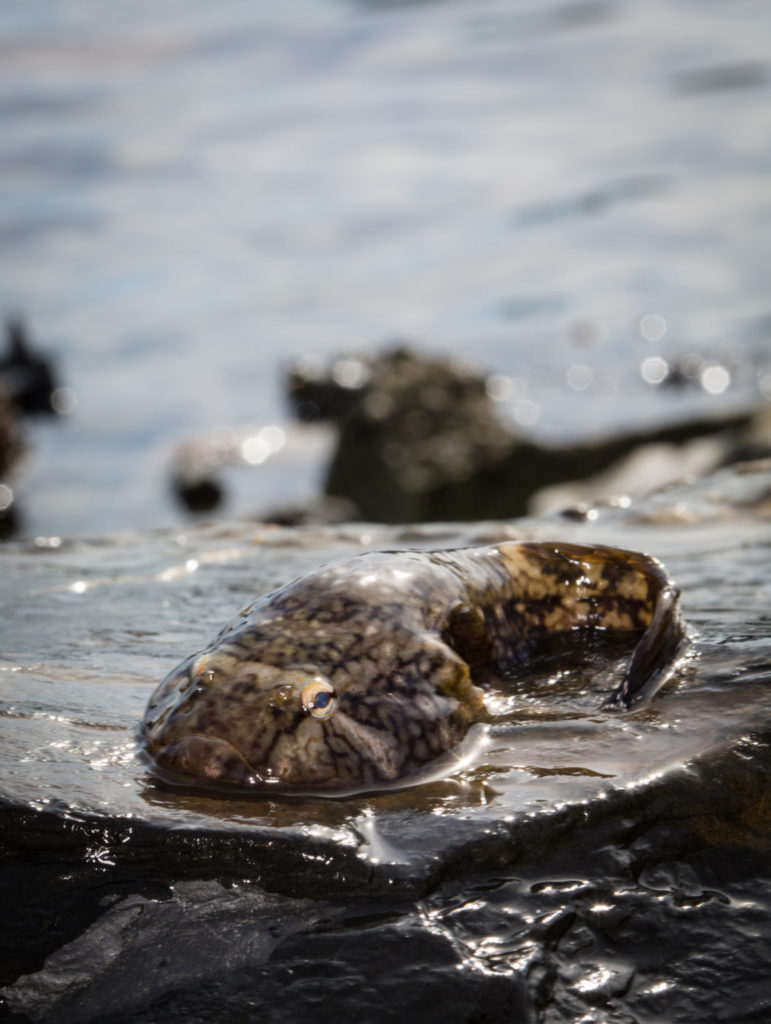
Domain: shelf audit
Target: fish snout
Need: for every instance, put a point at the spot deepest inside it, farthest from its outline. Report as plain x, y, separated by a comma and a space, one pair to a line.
207, 757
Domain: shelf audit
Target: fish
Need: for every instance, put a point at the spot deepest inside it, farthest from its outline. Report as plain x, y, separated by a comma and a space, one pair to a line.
369, 667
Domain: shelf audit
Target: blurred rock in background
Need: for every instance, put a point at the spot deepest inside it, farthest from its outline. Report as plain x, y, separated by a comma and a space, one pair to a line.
27, 388
421, 439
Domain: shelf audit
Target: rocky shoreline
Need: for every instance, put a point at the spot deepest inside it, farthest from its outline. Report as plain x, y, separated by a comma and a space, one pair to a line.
520, 886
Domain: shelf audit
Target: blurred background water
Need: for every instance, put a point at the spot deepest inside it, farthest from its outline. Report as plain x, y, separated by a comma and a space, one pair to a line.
570, 194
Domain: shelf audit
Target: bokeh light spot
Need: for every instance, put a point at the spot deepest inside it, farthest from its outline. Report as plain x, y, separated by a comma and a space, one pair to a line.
715, 379
579, 377
653, 327
654, 369
63, 401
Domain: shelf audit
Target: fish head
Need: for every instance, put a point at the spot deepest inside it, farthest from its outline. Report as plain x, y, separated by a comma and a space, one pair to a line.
239, 721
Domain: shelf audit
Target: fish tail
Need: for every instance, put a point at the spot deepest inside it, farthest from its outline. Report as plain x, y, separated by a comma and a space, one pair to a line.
567, 586
655, 657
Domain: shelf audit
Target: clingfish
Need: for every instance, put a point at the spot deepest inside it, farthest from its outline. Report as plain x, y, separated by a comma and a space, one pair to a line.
371, 666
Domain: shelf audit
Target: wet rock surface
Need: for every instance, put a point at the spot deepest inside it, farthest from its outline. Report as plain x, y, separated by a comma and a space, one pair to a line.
574, 864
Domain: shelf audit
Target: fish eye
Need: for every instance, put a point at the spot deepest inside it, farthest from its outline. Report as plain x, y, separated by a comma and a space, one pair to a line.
319, 699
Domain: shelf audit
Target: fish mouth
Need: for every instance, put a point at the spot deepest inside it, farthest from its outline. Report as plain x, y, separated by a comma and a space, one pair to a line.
208, 758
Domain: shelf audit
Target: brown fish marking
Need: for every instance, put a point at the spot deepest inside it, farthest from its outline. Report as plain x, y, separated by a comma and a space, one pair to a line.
368, 667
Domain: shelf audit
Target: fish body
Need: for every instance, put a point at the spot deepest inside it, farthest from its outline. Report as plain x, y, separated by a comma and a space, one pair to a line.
367, 668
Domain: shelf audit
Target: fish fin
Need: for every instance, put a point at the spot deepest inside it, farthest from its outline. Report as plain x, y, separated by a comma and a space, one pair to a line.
655, 656
452, 676
467, 634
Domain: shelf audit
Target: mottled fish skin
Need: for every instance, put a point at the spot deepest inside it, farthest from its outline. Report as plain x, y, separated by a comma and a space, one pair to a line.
365, 669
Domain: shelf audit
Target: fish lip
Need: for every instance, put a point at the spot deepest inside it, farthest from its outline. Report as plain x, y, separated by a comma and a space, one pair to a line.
210, 758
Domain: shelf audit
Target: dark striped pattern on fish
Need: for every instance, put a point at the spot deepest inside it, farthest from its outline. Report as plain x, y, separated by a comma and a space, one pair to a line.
368, 667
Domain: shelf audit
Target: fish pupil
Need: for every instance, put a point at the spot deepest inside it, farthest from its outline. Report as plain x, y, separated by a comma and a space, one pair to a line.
322, 699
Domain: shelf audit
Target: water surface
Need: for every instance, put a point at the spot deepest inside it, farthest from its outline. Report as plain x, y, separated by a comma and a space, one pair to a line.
191, 196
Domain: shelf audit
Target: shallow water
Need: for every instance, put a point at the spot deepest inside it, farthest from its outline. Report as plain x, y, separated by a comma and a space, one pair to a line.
577, 862
192, 196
